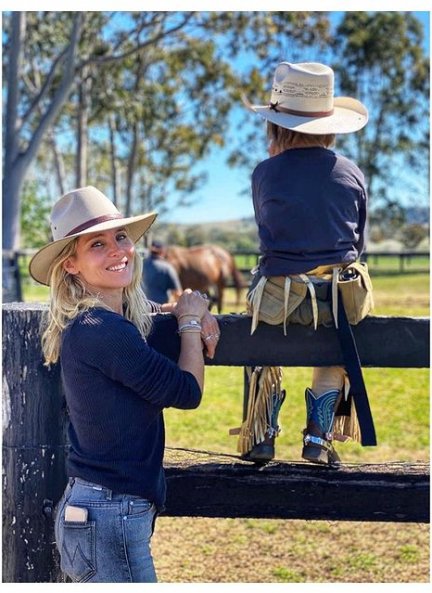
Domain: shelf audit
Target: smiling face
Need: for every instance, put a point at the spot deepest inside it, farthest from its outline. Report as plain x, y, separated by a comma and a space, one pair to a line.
104, 261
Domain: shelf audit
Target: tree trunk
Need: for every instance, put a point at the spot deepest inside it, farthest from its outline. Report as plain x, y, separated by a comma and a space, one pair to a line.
58, 163
14, 169
82, 129
113, 159
131, 169
16, 163
12, 184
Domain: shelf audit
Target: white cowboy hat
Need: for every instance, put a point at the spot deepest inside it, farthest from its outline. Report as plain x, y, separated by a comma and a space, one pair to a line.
302, 100
79, 212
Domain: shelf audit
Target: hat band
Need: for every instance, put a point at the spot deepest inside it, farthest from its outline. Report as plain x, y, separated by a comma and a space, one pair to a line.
92, 222
276, 107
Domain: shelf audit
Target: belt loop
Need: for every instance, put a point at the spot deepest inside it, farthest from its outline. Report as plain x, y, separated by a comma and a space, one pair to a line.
256, 302
311, 288
287, 288
335, 296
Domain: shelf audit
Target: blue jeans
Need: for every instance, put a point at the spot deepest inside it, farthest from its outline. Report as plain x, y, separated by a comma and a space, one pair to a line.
111, 545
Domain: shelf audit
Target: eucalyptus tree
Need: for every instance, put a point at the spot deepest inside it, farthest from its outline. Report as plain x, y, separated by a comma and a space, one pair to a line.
379, 58
170, 85
29, 116
61, 50
175, 109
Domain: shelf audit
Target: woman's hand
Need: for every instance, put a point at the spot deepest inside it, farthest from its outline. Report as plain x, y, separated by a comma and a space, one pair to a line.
194, 305
190, 305
210, 334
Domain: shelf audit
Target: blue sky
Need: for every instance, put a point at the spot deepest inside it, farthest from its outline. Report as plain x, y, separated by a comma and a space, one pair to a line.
219, 199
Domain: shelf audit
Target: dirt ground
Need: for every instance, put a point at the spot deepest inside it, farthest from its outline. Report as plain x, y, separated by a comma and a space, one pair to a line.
191, 550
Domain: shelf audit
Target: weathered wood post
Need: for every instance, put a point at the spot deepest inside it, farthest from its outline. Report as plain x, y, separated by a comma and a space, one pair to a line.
34, 439
34, 443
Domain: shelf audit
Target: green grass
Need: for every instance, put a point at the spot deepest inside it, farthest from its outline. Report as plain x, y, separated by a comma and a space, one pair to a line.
377, 264
409, 554
286, 575
280, 551
405, 294
399, 397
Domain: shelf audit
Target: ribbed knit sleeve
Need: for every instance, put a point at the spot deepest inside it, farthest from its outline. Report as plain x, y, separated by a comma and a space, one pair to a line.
105, 341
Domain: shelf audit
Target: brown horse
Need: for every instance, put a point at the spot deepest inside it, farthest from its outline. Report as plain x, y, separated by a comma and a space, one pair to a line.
206, 267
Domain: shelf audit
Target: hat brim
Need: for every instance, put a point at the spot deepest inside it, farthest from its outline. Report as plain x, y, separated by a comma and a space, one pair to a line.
41, 262
349, 115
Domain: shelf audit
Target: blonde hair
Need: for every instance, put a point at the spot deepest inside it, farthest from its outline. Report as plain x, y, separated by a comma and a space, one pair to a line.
283, 139
69, 297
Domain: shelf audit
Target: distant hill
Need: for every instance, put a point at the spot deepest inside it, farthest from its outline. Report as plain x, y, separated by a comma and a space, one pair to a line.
225, 225
417, 215
242, 233
414, 215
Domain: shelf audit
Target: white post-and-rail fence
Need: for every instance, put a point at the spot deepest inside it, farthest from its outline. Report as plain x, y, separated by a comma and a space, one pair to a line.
199, 483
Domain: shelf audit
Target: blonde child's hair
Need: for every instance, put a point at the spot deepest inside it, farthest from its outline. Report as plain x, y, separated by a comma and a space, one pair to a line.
284, 139
69, 297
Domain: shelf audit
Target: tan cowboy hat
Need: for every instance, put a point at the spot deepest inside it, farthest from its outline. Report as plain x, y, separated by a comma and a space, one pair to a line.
302, 100
81, 211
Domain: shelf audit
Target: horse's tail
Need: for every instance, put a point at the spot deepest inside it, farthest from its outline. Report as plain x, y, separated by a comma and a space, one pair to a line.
238, 279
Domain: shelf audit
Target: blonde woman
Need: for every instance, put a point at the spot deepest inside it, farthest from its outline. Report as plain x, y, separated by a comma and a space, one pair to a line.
116, 386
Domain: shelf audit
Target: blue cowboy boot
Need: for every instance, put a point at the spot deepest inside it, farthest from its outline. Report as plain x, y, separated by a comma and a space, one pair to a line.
264, 452
317, 436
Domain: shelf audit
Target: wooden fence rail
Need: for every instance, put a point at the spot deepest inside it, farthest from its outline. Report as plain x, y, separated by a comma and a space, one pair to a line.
34, 439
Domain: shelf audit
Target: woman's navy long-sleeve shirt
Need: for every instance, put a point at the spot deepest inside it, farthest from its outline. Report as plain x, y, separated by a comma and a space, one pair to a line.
116, 387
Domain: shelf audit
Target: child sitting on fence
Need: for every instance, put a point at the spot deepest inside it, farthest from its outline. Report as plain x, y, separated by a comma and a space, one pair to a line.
310, 208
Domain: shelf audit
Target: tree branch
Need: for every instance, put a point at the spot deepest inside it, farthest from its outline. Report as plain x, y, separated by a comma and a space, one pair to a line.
61, 93
18, 24
138, 47
45, 87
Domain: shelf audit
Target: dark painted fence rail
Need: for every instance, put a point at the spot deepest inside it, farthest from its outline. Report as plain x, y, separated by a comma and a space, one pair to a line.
199, 483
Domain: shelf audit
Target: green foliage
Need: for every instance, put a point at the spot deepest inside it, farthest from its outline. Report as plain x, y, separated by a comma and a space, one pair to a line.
232, 235
380, 60
389, 217
157, 90
412, 234
35, 210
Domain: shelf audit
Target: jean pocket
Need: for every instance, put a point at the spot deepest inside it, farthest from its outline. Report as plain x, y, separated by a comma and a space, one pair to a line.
139, 507
78, 550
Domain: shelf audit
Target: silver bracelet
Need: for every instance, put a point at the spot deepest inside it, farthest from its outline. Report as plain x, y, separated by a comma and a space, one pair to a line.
192, 325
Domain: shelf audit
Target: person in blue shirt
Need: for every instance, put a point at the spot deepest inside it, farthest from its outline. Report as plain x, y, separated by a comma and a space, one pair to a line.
116, 385
161, 283
310, 206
